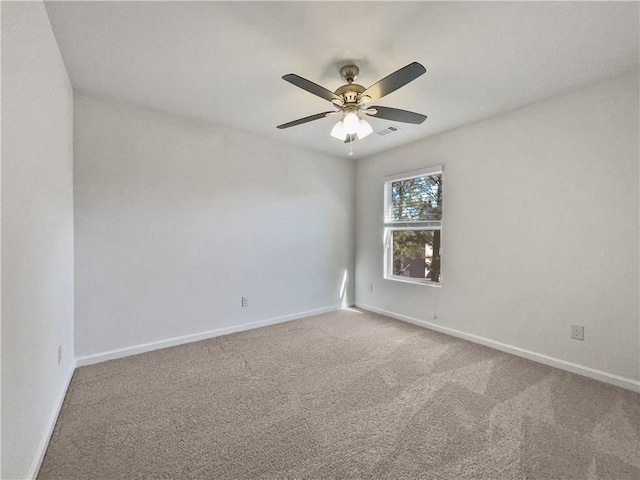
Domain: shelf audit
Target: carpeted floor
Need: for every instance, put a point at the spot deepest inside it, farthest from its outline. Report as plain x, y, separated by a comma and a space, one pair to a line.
349, 394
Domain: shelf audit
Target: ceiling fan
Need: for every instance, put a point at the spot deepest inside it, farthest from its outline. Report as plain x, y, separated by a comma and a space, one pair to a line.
352, 100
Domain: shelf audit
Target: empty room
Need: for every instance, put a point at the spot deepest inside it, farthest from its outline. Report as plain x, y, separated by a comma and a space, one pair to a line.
337, 240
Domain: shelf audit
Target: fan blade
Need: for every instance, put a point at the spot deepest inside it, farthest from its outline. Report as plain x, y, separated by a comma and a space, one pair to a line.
396, 115
392, 82
351, 138
311, 87
310, 118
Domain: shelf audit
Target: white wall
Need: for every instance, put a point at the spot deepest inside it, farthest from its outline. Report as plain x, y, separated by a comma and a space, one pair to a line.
176, 220
37, 234
540, 228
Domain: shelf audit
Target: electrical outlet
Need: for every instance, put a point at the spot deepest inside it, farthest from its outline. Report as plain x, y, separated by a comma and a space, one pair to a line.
435, 317
59, 354
577, 332
371, 287
245, 301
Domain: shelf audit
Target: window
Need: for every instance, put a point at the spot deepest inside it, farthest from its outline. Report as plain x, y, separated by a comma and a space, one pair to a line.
413, 226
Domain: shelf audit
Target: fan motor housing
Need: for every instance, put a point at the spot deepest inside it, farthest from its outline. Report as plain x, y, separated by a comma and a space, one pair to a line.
350, 92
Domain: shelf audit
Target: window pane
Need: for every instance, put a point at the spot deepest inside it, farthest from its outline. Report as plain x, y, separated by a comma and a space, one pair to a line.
416, 254
418, 198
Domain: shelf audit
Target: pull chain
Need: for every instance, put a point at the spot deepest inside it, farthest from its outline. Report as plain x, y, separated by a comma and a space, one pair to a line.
350, 151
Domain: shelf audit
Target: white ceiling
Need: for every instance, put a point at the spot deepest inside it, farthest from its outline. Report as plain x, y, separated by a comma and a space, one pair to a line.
223, 61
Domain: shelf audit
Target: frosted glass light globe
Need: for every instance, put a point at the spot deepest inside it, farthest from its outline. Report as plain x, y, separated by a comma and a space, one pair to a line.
364, 129
351, 123
338, 131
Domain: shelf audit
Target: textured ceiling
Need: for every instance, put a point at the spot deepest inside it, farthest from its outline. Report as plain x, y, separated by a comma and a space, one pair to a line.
223, 61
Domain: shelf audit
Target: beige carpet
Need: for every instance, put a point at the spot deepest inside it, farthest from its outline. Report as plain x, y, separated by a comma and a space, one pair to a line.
348, 394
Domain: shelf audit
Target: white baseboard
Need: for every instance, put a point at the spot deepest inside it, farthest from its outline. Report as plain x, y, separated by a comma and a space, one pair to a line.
617, 380
51, 423
194, 337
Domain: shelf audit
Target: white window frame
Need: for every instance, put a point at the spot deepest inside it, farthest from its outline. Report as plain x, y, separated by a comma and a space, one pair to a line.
391, 225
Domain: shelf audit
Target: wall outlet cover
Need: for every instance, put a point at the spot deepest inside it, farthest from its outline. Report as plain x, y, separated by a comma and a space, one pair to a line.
577, 332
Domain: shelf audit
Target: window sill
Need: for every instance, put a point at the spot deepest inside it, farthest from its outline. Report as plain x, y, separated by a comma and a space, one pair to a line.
415, 281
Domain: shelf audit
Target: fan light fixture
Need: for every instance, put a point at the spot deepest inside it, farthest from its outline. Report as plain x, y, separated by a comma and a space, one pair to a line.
351, 124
